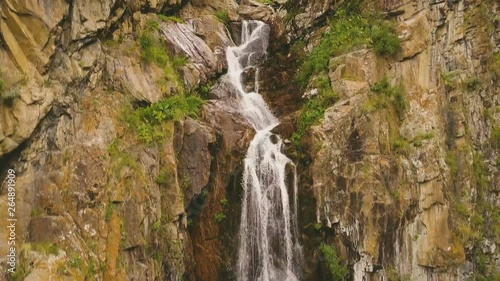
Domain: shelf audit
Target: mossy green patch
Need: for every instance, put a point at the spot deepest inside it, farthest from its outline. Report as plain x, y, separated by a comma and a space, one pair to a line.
337, 270
223, 16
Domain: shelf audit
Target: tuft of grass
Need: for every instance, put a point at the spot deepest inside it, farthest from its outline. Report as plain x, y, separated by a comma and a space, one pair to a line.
473, 84
449, 79
386, 95
171, 18
332, 261
267, 2
452, 162
153, 50
156, 225
419, 139
75, 261
109, 211
163, 177
402, 146
223, 16
495, 65
45, 248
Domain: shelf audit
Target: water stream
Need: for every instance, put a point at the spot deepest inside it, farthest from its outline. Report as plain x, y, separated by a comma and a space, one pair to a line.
268, 246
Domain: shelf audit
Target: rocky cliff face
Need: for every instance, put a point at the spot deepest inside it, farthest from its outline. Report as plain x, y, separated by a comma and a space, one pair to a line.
406, 194
412, 196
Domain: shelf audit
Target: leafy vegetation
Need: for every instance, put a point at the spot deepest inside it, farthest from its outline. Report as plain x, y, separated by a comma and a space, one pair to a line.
449, 79
385, 41
219, 217
386, 95
419, 139
171, 18
312, 111
495, 65
45, 248
147, 121
473, 84
223, 16
156, 225
338, 271
163, 177
153, 50
348, 30
402, 146
109, 211
451, 161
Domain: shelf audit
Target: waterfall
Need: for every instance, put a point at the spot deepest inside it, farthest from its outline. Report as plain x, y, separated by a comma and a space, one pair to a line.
268, 244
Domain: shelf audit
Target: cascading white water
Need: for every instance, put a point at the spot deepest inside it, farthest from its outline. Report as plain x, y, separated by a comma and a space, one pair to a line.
268, 248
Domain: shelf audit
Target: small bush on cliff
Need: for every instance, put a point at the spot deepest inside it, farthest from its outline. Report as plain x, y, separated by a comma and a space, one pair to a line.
348, 30
154, 50
385, 41
386, 95
172, 108
223, 16
312, 111
473, 84
147, 121
338, 271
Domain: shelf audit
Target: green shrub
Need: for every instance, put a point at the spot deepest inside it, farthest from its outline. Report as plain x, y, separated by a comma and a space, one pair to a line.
338, 271
163, 177
348, 30
312, 111
172, 108
449, 79
219, 217
171, 18
402, 146
154, 50
346, 33
224, 202
223, 16
473, 84
386, 95
147, 121
268, 2
384, 40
